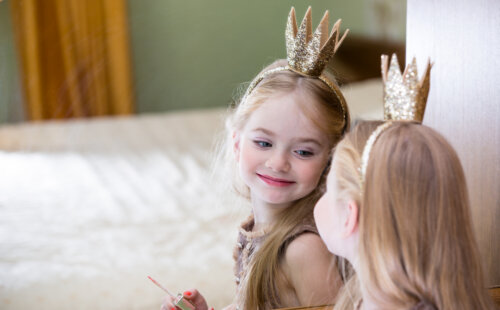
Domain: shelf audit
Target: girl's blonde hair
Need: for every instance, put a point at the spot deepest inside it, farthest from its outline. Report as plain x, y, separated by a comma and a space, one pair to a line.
416, 242
326, 112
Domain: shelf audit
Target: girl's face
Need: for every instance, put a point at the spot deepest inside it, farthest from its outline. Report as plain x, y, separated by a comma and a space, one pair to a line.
281, 153
327, 214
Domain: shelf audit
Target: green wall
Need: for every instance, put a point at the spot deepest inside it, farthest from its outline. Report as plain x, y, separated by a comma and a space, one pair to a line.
191, 54
11, 108
196, 53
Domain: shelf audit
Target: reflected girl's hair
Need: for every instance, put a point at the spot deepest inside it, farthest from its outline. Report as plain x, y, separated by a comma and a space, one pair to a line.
416, 242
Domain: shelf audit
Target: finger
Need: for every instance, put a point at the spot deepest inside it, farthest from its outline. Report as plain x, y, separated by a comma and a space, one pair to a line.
168, 303
168, 307
191, 294
196, 298
188, 294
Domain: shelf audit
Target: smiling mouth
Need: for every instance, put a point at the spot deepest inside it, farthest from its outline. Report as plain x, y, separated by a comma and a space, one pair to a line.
274, 181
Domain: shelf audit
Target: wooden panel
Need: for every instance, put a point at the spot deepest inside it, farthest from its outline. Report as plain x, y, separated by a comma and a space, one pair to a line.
462, 38
495, 294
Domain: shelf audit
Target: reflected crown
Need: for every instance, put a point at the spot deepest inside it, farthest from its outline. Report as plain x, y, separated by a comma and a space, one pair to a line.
405, 97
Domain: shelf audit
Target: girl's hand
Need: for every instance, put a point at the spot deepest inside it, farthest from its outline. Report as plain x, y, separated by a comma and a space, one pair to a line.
168, 303
193, 296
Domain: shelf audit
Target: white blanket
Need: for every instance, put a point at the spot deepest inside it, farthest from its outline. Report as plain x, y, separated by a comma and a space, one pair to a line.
90, 208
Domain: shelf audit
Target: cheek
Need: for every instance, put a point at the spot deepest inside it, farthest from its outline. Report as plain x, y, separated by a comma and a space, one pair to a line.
248, 156
324, 220
318, 213
311, 173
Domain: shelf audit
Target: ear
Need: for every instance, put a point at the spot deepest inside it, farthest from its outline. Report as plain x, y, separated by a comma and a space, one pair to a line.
351, 222
236, 145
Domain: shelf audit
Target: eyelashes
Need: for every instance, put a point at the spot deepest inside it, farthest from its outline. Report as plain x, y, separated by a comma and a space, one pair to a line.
262, 144
304, 153
301, 153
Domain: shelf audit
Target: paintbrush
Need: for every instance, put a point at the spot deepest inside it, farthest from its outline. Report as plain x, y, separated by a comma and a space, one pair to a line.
179, 300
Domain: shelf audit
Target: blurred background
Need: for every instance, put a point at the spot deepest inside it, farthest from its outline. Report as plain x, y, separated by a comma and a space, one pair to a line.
162, 55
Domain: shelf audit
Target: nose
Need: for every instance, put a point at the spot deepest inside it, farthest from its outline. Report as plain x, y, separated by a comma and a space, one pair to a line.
278, 161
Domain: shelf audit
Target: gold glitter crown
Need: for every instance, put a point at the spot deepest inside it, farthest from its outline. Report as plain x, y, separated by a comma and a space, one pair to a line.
309, 53
405, 96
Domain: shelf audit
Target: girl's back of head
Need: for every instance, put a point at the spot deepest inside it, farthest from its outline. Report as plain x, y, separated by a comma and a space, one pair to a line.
416, 241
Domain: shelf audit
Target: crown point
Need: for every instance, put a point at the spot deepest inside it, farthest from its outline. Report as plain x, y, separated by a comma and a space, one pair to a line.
308, 14
292, 22
307, 17
325, 17
309, 53
336, 26
304, 34
384, 60
336, 31
394, 59
394, 69
339, 42
322, 30
394, 63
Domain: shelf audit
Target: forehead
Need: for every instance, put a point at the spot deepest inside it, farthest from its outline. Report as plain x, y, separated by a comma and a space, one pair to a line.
286, 110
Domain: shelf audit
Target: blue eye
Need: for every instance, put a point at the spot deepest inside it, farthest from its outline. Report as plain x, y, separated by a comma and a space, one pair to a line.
303, 153
262, 144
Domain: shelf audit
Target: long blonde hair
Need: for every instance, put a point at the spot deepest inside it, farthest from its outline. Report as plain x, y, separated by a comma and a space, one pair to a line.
326, 112
416, 242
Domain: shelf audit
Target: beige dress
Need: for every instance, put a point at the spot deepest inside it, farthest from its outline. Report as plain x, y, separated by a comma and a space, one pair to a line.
248, 243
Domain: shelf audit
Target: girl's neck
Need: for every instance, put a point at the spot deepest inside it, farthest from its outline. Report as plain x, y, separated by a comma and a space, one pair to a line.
266, 214
366, 303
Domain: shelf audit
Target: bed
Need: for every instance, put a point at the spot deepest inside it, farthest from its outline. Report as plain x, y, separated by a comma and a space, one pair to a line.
90, 208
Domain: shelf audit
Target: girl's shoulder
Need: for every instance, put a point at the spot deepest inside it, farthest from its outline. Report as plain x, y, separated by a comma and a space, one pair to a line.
311, 270
307, 226
305, 249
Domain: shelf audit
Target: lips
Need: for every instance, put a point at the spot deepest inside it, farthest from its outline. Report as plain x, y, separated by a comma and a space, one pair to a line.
274, 181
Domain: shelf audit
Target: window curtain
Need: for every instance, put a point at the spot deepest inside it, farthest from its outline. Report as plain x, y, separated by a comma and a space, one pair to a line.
74, 57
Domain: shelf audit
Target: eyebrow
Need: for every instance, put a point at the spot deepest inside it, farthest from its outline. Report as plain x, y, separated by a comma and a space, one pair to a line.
267, 132
300, 140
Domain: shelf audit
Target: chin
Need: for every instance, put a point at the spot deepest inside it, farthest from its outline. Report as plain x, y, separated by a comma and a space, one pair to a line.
270, 195
278, 201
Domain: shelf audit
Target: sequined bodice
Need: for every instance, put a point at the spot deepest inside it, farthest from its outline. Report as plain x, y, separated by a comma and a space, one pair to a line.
249, 242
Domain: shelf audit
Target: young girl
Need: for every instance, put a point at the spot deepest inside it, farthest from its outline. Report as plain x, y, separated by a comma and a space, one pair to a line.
279, 139
397, 208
